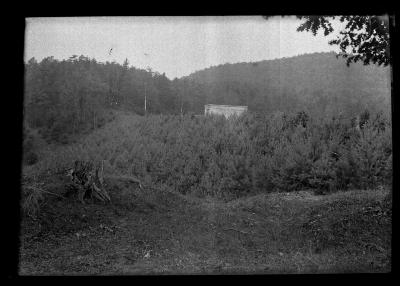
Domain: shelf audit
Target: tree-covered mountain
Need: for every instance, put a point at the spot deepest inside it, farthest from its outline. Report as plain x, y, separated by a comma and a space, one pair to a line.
63, 98
319, 83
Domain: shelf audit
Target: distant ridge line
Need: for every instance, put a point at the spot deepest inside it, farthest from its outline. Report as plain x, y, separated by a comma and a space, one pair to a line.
259, 62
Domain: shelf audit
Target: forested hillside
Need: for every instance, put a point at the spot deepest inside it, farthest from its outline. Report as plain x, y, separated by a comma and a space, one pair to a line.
69, 96
65, 98
318, 83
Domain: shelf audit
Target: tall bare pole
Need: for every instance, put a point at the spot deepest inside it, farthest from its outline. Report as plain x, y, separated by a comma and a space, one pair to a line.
145, 86
145, 98
182, 98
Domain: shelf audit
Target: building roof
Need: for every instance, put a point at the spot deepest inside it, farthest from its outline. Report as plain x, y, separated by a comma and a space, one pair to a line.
221, 105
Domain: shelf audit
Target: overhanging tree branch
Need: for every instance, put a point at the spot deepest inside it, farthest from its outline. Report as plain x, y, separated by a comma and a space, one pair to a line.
364, 38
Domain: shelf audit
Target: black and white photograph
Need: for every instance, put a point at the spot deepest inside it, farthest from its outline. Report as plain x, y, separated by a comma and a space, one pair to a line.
206, 145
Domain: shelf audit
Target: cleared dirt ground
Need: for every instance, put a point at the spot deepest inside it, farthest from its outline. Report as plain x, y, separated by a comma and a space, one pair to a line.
153, 231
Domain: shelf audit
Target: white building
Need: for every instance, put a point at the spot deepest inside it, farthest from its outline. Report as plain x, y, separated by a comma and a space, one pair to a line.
226, 110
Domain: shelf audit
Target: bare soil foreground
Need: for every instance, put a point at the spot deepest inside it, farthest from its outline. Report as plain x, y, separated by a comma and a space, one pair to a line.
148, 231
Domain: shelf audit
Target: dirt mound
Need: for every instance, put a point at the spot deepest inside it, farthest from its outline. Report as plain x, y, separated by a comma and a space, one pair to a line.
359, 225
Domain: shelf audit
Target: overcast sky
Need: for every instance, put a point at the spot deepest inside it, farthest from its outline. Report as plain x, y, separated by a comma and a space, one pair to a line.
176, 46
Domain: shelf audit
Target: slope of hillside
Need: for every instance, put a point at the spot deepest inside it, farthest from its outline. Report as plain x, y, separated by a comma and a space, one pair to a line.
318, 82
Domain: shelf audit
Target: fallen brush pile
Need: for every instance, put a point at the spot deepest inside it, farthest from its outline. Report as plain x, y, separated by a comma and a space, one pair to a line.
87, 180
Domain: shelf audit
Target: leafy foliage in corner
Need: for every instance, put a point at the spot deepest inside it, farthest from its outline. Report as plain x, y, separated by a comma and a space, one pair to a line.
364, 38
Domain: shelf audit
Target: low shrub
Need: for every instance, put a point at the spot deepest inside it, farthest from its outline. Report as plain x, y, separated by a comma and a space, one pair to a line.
214, 156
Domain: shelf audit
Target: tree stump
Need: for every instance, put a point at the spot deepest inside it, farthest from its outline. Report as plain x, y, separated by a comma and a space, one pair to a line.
88, 180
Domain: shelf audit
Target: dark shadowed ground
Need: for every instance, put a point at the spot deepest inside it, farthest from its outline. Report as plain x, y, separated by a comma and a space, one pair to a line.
158, 232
